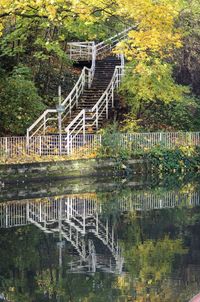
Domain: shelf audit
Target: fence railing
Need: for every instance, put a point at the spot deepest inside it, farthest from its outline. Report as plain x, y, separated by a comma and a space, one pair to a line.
83, 145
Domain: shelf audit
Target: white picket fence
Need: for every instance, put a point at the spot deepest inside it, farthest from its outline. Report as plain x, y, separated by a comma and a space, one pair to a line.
84, 145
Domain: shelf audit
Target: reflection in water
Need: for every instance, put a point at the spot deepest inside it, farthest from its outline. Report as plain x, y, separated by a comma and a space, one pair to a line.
73, 218
135, 235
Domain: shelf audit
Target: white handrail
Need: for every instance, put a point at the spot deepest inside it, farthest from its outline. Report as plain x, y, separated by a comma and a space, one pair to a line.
102, 105
69, 103
97, 109
92, 51
76, 127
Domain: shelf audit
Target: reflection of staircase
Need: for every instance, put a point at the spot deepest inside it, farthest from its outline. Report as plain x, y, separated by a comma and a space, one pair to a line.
77, 221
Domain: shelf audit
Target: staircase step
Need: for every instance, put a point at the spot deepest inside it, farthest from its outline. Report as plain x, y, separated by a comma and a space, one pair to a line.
103, 74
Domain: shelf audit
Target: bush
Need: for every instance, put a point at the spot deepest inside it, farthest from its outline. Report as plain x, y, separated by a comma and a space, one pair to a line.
20, 102
180, 159
111, 144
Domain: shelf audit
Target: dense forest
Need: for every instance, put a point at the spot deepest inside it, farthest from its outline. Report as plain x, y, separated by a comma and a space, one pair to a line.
161, 88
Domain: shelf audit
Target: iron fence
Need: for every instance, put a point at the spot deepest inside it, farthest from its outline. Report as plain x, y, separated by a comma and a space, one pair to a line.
90, 143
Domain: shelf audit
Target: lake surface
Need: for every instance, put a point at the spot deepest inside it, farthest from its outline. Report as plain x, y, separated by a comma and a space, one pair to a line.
127, 244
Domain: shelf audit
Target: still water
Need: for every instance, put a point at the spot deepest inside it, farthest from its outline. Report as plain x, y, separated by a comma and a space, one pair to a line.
130, 244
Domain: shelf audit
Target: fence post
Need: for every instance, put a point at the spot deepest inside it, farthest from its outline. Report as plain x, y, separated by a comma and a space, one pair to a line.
190, 139
27, 142
68, 136
161, 138
40, 145
6, 146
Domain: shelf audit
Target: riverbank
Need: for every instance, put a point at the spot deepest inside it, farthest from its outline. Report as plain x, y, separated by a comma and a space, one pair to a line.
70, 169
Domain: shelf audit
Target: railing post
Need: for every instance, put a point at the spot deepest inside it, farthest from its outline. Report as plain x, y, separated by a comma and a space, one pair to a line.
88, 51
89, 79
84, 127
118, 77
97, 117
112, 91
76, 96
83, 81
70, 52
112, 242
107, 230
27, 142
107, 105
68, 137
84, 217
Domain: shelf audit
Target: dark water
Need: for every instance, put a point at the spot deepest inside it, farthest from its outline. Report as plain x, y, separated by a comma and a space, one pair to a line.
130, 244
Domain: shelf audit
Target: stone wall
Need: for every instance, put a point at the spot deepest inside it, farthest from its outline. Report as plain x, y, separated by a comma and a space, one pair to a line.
69, 169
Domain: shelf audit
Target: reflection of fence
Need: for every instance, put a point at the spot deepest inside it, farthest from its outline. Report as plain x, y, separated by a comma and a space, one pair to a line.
145, 201
49, 145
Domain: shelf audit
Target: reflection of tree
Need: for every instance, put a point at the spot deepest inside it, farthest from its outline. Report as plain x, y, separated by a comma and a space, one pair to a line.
149, 265
152, 260
153, 242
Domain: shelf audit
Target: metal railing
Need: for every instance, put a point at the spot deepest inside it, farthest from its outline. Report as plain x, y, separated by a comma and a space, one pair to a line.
80, 50
88, 118
49, 119
84, 145
83, 50
101, 108
77, 50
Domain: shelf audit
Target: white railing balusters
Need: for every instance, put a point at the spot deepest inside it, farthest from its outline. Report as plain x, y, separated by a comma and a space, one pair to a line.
76, 127
74, 141
102, 105
85, 80
77, 50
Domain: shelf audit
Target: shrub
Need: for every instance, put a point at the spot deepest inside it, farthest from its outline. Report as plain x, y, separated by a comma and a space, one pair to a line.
111, 144
20, 102
180, 159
